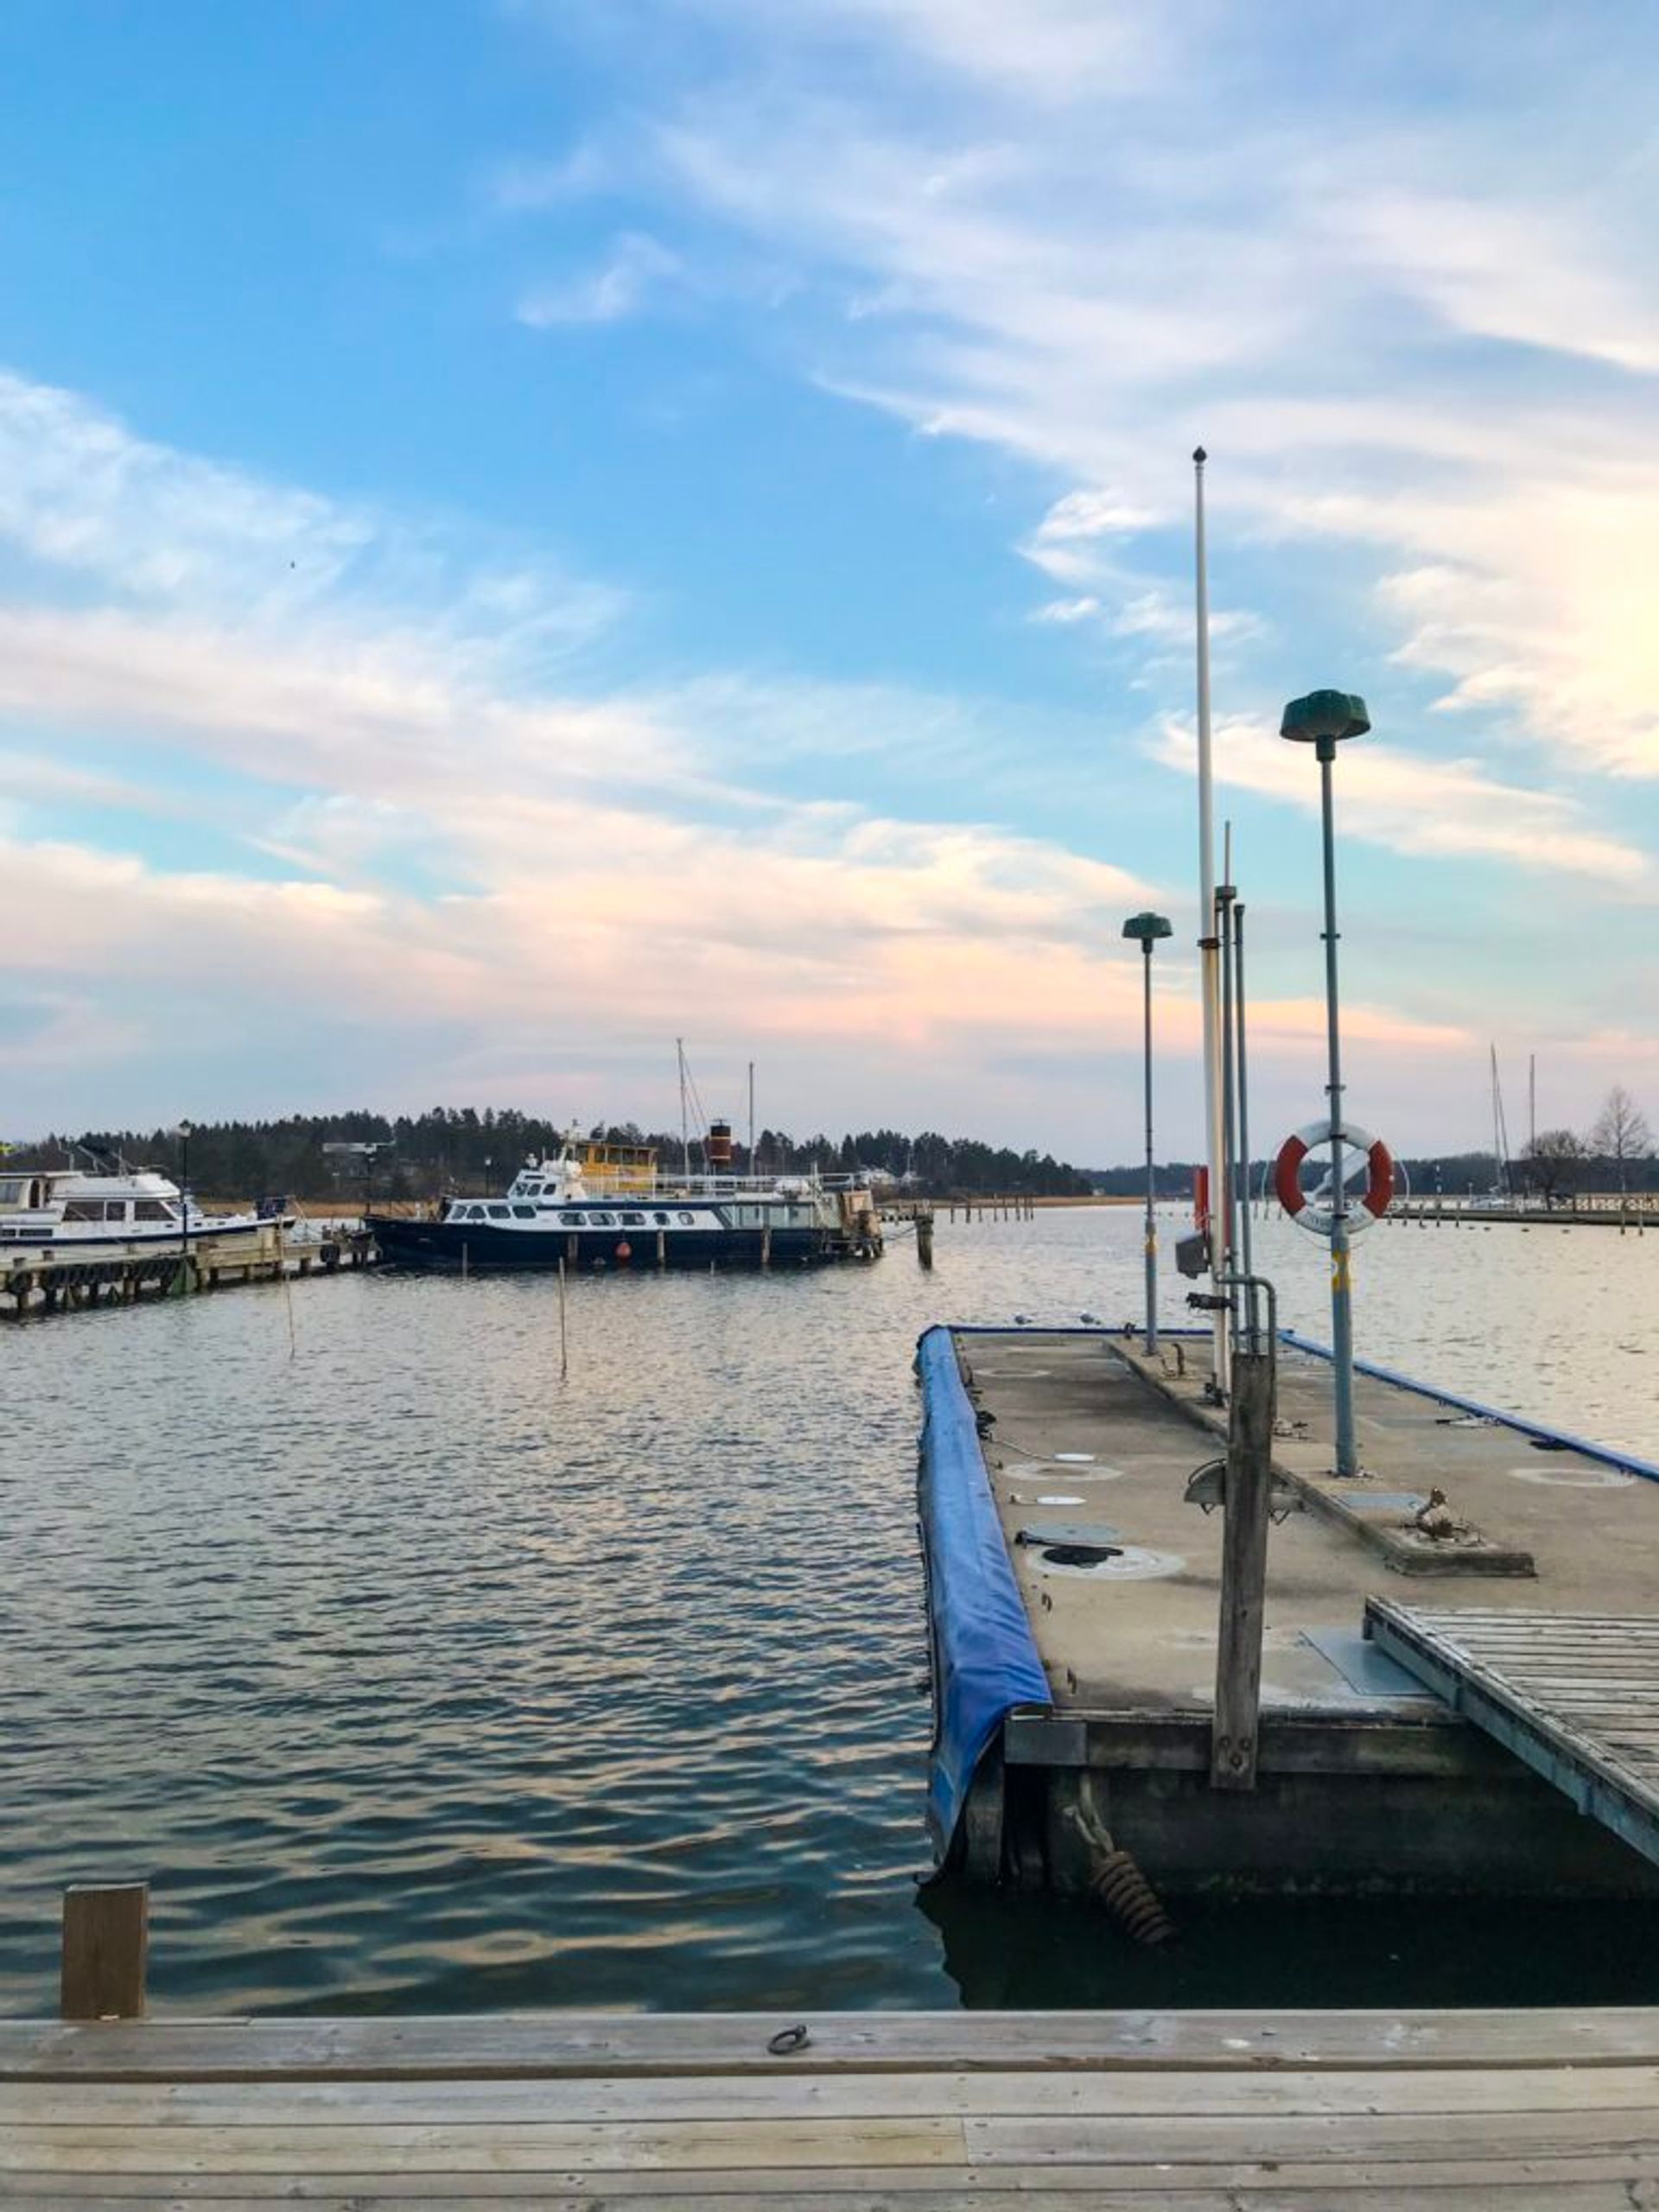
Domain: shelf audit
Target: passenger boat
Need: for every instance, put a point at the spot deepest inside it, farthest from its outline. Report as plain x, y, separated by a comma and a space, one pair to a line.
110, 1211
606, 1205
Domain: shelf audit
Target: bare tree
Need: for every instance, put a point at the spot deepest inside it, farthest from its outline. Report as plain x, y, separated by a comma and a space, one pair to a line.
1621, 1133
1552, 1163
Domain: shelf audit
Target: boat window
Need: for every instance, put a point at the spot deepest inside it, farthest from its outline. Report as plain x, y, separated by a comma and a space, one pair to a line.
152, 1210
532, 1190
602, 1220
524, 1213
11, 1191
571, 1220
83, 1210
661, 1220
634, 1221
499, 1213
687, 1219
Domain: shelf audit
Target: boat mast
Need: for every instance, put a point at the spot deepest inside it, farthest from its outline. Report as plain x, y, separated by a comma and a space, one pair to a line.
1209, 943
752, 1166
685, 1125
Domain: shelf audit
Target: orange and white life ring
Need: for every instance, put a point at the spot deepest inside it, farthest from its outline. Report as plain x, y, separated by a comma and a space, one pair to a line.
1370, 1204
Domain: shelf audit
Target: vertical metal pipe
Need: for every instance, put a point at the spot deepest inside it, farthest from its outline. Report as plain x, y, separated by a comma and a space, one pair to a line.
1342, 1319
1241, 1079
1224, 1198
1151, 1221
1207, 945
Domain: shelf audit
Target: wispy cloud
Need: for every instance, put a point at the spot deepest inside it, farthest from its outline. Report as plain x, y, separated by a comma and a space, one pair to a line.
1414, 804
638, 269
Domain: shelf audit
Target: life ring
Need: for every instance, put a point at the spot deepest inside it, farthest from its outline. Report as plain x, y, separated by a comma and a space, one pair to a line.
1370, 1204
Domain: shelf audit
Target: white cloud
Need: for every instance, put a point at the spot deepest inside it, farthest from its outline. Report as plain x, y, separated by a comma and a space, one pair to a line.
1414, 803
638, 268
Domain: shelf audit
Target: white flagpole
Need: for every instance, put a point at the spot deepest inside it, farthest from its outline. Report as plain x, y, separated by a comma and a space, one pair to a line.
1210, 945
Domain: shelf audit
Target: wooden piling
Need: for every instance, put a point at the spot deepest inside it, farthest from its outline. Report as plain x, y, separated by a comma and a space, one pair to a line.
766, 1245
1243, 1574
925, 1240
106, 1944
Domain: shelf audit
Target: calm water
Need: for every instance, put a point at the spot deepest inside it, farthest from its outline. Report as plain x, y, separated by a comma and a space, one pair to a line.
419, 1680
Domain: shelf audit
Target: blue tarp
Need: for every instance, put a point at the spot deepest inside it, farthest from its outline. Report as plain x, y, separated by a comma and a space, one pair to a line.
985, 1660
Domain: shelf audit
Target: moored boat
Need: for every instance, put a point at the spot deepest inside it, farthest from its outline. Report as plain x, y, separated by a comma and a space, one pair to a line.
109, 1210
606, 1205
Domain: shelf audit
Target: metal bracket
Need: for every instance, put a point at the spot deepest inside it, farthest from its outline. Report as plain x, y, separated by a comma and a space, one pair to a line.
1206, 1488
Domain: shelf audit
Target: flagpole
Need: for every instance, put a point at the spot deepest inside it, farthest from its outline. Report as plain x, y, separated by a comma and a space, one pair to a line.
1210, 945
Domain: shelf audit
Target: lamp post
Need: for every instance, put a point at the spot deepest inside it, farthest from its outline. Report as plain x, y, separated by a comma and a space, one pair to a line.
1146, 929
184, 1134
1323, 719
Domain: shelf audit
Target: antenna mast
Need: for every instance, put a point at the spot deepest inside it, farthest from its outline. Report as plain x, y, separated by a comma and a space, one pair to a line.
1209, 943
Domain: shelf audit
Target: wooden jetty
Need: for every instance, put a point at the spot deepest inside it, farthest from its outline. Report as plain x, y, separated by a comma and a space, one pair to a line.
36, 1281
1510, 2111
1598, 1210
1075, 1545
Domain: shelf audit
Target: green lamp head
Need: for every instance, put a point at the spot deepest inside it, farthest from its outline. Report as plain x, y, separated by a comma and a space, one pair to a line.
1145, 929
1323, 717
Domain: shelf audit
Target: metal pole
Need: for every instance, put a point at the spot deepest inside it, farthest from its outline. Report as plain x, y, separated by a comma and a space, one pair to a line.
1229, 1154
1207, 945
1151, 1224
1239, 1065
1342, 1319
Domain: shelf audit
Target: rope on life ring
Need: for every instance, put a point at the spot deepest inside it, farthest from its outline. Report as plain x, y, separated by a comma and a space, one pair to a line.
1287, 1172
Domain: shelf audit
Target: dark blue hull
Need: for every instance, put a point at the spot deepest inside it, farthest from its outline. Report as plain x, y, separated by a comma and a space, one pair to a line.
481, 1245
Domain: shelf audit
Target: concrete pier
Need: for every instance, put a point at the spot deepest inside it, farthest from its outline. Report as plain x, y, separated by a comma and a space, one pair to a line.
1367, 1781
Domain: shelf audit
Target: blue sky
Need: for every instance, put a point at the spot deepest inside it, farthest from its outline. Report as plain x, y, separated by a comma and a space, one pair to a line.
532, 527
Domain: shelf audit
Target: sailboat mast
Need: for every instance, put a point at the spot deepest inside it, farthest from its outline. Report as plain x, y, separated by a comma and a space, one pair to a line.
1209, 943
752, 1166
685, 1125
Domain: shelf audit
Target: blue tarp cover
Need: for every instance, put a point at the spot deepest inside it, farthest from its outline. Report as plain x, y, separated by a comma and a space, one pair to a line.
985, 1658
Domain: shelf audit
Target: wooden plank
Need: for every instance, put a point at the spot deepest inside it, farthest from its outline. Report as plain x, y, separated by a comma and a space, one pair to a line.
548, 2045
1060, 2193
105, 1941
1172, 2091
1506, 2185
457, 2148
1194, 2142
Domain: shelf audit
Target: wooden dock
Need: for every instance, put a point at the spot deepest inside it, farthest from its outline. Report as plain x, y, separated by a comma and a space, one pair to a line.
1515, 2111
1366, 1780
38, 1282
1575, 1696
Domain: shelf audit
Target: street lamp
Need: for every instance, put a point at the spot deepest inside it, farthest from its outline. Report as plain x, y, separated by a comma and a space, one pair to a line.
184, 1134
1323, 719
1146, 929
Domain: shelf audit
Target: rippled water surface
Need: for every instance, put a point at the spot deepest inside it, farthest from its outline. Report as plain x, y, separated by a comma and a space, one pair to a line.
418, 1679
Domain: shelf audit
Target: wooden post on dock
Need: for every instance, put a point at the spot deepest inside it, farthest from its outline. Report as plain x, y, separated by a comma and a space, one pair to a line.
1243, 1574
766, 1245
106, 1942
925, 1240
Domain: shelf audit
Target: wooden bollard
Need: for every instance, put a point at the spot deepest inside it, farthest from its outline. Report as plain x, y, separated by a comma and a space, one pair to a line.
106, 1946
1243, 1574
925, 1239
765, 1244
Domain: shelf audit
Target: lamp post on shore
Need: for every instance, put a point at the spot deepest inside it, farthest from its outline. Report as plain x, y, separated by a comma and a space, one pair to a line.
183, 1133
1146, 929
1323, 719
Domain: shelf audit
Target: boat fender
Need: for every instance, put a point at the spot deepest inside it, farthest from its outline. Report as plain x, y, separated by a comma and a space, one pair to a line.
1288, 1169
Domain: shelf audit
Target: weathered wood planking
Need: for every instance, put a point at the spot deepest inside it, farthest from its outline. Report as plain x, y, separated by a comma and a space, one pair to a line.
932, 2112
550, 2045
1575, 1696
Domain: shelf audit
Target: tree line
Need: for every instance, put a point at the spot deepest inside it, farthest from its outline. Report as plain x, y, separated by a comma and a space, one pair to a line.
1616, 1152
469, 1152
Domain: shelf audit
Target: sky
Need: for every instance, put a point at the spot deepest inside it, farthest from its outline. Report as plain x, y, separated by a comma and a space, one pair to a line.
533, 528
